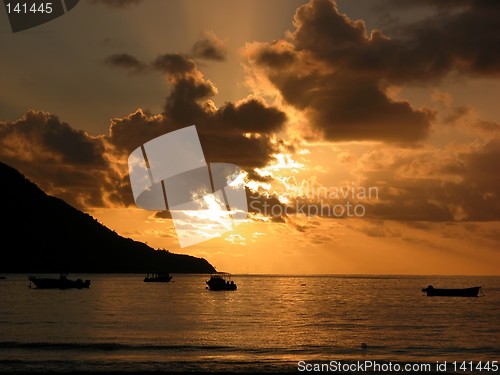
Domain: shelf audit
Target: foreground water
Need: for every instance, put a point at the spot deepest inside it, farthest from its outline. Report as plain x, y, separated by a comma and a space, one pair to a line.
269, 324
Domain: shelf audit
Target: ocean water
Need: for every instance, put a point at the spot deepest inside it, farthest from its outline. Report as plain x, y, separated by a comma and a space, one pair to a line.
268, 325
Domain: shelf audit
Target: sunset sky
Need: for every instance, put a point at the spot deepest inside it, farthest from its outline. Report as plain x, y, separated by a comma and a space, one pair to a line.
311, 99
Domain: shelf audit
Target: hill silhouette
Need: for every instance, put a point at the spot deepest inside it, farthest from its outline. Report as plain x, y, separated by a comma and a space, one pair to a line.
44, 234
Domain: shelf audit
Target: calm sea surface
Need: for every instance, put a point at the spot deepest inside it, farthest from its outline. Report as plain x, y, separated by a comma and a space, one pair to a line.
269, 324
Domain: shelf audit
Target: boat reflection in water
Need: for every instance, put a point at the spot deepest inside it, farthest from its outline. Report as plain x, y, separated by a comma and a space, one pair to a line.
218, 282
158, 278
466, 292
58, 283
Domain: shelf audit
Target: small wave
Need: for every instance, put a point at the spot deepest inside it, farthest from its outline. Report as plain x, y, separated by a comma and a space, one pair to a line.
106, 346
200, 349
160, 367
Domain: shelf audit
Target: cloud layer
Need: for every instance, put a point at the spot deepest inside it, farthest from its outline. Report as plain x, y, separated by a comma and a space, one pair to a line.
335, 74
339, 74
239, 133
63, 161
90, 171
209, 47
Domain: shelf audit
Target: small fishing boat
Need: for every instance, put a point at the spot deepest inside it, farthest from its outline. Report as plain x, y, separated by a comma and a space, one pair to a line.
158, 278
58, 283
466, 292
2, 278
218, 282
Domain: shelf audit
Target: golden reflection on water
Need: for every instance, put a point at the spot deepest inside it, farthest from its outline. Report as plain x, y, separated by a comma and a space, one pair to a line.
269, 318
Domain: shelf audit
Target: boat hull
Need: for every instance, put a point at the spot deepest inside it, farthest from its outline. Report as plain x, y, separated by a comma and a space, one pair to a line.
466, 292
219, 284
49, 283
219, 288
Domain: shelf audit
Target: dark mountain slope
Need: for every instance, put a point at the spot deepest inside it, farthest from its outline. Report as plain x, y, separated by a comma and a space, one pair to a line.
40, 233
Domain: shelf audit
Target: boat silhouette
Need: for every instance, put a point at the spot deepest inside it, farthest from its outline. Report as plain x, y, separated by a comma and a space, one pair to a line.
465, 292
218, 282
58, 283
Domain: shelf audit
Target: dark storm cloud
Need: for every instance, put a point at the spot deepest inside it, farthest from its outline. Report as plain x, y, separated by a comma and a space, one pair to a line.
330, 68
63, 161
116, 3
209, 47
54, 138
353, 109
238, 133
461, 38
462, 42
126, 61
235, 132
222, 140
318, 71
339, 74
174, 64
189, 100
250, 116
276, 55
131, 131
233, 147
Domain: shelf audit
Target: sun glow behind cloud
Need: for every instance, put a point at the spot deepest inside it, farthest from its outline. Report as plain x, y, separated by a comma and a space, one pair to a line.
424, 133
